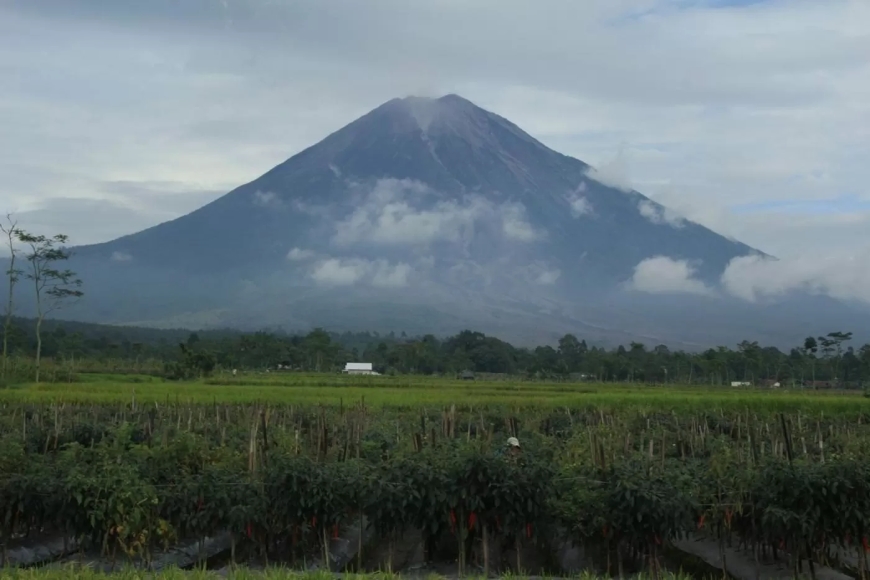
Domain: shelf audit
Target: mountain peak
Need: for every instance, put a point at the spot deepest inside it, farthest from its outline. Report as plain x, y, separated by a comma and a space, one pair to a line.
447, 114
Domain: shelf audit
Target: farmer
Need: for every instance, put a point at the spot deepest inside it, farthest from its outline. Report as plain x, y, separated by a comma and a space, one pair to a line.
513, 450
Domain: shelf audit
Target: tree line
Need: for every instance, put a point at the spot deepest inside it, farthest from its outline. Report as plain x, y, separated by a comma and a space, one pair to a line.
36, 262
826, 361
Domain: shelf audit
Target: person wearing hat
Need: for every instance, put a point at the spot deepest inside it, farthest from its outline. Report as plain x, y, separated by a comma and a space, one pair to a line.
513, 448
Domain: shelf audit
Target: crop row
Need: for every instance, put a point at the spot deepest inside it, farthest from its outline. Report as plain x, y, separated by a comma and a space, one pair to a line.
123, 495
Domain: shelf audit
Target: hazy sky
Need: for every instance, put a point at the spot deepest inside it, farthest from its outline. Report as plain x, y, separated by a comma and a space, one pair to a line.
752, 118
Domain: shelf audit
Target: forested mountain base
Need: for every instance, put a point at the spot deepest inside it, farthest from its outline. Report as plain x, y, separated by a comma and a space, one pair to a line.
69, 348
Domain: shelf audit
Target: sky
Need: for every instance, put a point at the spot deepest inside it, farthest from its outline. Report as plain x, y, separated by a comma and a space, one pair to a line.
751, 117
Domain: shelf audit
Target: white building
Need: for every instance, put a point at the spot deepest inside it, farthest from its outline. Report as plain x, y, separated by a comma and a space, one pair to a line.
354, 368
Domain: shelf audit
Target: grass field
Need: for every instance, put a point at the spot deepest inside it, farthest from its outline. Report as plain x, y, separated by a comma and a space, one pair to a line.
403, 392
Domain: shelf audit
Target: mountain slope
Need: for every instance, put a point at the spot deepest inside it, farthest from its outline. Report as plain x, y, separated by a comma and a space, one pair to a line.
422, 215
460, 153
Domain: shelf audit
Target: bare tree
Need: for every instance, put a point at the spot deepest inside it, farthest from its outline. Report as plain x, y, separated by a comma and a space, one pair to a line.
11, 231
52, 287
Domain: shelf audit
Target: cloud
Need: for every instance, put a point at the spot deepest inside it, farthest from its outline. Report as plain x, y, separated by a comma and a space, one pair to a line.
300, 255
267, 199
408, 212
548, 277
845, 277
339, 272
664, 275
613, 173
121, 257
388, 275
515, 225
387, 216
659, 214
579, 205
349, 271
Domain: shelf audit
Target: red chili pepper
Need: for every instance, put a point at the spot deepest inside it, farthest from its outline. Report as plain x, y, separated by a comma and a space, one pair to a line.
472, 519
335, 532
728, 515
452, 522
249, 530
701, 521
528, 530
604, 530
865, 544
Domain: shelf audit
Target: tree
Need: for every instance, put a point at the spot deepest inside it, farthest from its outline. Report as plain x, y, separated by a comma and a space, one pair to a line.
835, 341
571, 351
750, 352
13, 274
810, 349
52, 287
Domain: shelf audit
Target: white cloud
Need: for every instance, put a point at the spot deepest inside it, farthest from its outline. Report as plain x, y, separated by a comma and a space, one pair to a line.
300, 255
387, 216
121, 257
388, 275
548, 277
407, 212
613, 173
664, 275
339, 271
660, 215
515, 225
350, 271
844, 277
579, 205
267, 199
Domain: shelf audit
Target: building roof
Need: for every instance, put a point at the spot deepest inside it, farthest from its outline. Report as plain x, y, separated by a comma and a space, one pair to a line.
356, 366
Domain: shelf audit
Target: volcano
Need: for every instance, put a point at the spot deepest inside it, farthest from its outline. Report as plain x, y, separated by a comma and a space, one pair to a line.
427, 215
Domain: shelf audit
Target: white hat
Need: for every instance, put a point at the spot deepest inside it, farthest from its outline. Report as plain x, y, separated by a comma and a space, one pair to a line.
513, 442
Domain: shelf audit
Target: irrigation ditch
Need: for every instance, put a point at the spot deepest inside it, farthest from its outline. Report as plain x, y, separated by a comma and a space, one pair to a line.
357, 549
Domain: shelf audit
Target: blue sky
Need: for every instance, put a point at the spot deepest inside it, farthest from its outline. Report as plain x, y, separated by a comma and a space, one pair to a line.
751, 118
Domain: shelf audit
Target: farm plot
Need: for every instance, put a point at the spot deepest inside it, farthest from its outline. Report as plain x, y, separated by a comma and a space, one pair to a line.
409, 393
355, 487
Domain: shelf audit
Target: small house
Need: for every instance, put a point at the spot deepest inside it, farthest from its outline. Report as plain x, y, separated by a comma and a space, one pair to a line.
467, 375
356, 368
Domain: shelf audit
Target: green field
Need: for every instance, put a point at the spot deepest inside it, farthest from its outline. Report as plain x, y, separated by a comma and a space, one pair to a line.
407, 391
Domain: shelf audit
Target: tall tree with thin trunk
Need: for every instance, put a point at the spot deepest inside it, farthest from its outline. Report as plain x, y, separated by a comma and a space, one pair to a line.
10, 231
52, 287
